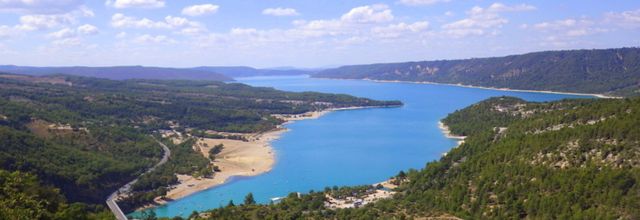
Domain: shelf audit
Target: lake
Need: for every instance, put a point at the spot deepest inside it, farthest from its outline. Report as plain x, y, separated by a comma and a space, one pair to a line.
352, 147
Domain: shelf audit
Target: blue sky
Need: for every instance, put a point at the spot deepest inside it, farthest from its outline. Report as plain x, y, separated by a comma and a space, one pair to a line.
302, 33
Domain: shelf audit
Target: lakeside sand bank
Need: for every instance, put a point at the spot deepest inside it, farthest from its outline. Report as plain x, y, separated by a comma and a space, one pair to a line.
239, 158
447, 133
316, 114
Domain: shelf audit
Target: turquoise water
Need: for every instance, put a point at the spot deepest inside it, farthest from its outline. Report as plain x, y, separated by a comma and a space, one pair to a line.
351, 147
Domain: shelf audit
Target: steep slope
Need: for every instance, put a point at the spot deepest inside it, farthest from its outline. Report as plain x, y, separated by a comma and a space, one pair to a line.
23, 197
607, 71
569, 159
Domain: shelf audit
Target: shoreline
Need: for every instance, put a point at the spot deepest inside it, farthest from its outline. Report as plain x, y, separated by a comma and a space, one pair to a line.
603, 96
290, 118
239, 158
447, 133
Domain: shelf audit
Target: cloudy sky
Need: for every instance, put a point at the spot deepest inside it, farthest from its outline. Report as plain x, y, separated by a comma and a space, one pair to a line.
302, 33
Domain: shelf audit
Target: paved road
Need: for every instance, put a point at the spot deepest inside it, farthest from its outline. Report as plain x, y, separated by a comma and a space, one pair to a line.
111, 200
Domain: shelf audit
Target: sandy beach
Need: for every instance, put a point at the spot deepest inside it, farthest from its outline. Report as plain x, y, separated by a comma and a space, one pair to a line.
238, 158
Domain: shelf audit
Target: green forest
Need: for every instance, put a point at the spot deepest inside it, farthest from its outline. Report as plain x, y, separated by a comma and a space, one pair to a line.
569, 159
613, 72
80, 138
68, 142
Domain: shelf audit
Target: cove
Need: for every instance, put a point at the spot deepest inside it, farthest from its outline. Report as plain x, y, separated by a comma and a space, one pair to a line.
352, 147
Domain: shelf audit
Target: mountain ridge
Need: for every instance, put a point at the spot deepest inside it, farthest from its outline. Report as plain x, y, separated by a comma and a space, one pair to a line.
215, 73
119, 72
614, 72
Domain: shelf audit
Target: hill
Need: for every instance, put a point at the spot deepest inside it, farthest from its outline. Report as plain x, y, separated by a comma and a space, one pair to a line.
216, 73
243, 71
86, 137
606, 71
119, 72
570, 159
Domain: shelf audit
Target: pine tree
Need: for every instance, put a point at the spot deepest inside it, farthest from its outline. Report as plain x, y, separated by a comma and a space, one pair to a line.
248, 200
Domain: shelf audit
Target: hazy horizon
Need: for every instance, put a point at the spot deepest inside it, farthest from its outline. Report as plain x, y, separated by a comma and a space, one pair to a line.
296, 67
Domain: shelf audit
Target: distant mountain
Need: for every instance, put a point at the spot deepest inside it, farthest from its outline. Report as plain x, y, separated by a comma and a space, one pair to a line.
244, 71
307, 69
119, 72
605, 71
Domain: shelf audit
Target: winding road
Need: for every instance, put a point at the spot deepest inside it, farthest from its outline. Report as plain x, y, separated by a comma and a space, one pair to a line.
111, 200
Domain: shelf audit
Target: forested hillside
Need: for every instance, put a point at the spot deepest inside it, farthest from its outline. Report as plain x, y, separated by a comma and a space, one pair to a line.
609, 71
570, 159
23, 197
217, 73
89, 136
119, 72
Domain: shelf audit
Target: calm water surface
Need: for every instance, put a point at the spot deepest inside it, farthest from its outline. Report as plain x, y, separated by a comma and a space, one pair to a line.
351, 147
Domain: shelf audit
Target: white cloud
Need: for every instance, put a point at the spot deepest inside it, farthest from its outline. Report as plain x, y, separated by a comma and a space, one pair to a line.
72, 37
198, 10
476, 24
68, 42
193, 30
37, 22
121, 35
369, 14
6, 31
356, 26
569, 28
176, 21
626, 19
87, 29
40, 6
421, 2
400, 29
556, 25
153, 39
122, 21
280, 12
135, 3
243, 31
64, 33
499, 7
355, 21
483, 21
566, 32
48, 21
